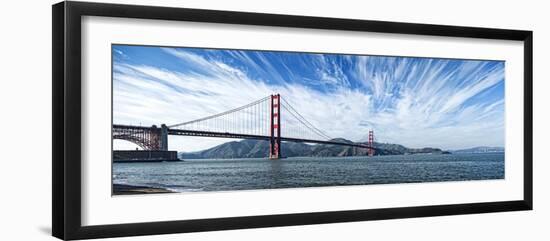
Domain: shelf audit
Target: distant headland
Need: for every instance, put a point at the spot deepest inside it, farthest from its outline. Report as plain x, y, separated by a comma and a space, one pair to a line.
258, 148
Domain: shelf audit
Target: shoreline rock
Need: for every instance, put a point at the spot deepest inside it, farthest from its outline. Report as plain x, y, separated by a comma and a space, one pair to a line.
124, 189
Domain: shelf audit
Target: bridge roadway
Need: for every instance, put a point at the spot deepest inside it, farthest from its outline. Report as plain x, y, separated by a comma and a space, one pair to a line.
181, 132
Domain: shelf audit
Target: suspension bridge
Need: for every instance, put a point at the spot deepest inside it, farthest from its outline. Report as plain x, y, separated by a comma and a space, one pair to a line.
263, 119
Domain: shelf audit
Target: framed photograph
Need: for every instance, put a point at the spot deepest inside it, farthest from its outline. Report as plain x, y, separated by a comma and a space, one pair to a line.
169, 120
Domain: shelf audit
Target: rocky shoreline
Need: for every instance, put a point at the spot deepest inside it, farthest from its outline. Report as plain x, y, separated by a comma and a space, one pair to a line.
124, 189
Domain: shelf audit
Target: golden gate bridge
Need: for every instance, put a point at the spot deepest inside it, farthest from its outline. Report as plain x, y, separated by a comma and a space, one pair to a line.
271, 118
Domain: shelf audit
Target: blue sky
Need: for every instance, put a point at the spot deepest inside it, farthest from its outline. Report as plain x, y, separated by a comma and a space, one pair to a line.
416, 102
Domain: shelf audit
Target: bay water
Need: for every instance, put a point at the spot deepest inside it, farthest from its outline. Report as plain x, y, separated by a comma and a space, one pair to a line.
248, 174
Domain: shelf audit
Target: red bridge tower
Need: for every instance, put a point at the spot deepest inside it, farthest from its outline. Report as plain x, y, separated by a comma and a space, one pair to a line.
275, 140
370, 144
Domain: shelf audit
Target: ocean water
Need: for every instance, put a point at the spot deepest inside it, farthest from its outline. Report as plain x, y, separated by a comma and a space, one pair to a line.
248, 174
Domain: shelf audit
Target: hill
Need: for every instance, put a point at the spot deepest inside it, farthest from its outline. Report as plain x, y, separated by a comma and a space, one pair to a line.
260, 148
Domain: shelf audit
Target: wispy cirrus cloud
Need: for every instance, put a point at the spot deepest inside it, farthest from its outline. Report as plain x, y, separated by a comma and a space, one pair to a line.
416, 102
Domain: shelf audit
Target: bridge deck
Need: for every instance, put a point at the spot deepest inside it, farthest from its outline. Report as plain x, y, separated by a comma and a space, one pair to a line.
258, 137
182, 132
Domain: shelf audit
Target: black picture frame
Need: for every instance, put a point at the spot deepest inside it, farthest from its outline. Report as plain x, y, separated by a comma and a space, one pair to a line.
66, 127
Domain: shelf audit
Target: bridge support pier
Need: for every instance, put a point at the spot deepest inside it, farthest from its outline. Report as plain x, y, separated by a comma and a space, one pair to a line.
163, 137
275, 139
